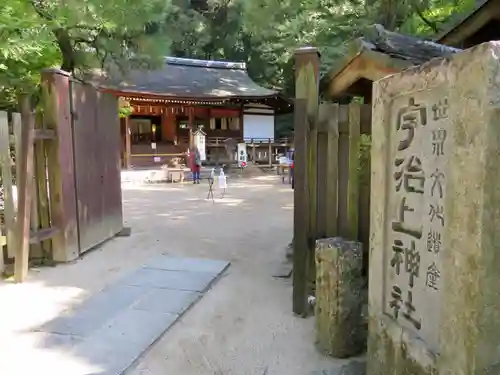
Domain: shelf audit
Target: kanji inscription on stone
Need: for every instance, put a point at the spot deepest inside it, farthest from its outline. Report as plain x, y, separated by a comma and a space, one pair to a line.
416, 216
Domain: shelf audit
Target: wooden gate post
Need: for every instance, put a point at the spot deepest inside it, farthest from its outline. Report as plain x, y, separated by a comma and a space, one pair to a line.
305, 227
60, 161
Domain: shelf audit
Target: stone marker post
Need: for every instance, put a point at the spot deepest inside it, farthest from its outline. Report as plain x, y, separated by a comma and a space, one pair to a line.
340, 331
435, 258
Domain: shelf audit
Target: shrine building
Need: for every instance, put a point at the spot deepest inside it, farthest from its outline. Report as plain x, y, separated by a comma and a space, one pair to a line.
185, 95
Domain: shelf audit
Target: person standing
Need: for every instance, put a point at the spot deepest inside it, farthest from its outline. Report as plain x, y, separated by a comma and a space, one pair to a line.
195, 164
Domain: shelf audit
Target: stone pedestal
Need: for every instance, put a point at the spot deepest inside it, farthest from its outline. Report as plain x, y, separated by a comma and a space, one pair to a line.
434, 300
339, 297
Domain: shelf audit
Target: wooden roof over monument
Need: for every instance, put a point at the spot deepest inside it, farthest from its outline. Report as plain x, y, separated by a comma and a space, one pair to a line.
480, 25
186, 81
376, 55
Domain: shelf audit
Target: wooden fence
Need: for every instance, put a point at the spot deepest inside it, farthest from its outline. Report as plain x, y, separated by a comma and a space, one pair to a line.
335, 197
25, 152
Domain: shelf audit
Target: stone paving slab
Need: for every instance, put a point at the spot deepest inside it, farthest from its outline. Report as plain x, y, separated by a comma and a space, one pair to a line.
116, 346
167, 301
177, 280
114, 327
169, 263
98, 309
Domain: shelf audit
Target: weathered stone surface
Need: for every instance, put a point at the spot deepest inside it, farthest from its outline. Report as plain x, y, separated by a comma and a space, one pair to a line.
339, 297
439, 313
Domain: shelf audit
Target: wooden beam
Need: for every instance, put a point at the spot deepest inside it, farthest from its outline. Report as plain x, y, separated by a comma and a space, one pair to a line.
25, 182
44, 134
43, 235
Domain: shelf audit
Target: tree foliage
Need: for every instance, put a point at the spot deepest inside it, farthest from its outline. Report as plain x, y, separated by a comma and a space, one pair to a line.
78, 34
75, 35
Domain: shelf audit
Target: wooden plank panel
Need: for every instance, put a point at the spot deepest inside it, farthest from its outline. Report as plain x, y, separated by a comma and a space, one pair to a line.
353, 183
88, 166
321, 165
343, 181
8, 188
331, 175
25, 183
366, 127
327, 169
111, 195
348, 185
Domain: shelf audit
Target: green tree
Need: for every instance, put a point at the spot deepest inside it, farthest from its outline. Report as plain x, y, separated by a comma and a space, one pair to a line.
75, 35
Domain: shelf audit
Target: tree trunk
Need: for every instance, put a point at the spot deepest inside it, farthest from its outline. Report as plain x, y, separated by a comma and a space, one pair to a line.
67, 51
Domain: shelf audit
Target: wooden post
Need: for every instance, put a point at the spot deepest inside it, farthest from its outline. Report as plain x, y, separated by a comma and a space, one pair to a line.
307, 89
254, 155
128, 144
270, 153
25, 183
6, 165
57, 116
301, 210
328, 169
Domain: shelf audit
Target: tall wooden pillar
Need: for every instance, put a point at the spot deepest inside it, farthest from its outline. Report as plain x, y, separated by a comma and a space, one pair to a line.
305, 196
128, 144
57, 116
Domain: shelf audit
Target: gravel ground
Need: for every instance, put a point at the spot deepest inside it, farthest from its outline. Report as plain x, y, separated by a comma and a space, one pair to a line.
244, 325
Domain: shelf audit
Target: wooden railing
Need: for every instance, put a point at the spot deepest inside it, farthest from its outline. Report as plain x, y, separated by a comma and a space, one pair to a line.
219, 141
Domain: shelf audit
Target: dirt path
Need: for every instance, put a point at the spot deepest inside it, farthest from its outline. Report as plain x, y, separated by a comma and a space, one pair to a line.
244, 325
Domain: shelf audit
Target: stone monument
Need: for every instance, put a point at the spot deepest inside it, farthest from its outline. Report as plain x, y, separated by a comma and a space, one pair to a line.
434, 300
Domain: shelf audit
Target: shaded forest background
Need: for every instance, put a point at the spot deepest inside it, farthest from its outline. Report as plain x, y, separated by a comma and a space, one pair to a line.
77, 35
